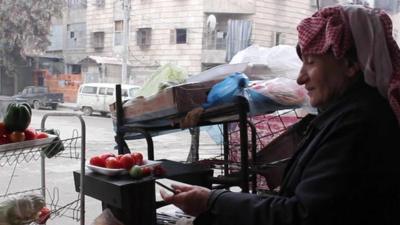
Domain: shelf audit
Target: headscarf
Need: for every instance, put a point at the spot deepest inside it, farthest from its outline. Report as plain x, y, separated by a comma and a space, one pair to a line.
369, 31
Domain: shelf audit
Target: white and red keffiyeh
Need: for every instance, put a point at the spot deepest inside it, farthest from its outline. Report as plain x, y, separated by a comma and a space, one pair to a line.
340, 28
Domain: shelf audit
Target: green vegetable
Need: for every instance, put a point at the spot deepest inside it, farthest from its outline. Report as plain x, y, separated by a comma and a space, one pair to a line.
55, 147
136, 172
20, 210
17, 117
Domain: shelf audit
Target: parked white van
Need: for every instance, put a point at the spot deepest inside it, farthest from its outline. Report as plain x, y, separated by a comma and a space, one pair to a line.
96, 97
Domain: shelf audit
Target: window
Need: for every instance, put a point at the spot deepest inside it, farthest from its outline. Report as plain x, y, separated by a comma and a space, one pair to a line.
118, 28
181, 36
89, 90
74, 68
98, 39
39, 90
221, 40
178, 36
277, 39
110, 91
102, 91
143, 37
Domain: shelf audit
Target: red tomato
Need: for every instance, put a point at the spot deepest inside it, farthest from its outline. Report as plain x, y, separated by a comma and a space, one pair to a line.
159, 170
4, 139
3, 129
97, 161
146, 171
44, 215
137, 158
113, 163
118, 157
126, 161
104, 156
41, 135
17, 136
30, 133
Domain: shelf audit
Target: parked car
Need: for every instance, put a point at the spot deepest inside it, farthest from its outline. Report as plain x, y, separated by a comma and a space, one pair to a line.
39, 97
97, 97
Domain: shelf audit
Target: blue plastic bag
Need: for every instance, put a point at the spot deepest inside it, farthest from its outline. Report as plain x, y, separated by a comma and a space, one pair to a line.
227, 90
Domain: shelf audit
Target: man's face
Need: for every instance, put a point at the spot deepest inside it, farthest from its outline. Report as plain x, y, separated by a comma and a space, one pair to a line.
324, 77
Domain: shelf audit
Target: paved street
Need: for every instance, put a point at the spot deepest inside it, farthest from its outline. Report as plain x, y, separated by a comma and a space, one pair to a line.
99, 139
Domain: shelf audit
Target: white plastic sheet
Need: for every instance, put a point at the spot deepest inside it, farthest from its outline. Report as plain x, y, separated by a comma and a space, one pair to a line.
282, 60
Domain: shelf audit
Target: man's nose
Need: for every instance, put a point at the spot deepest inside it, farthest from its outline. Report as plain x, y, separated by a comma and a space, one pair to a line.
302, 77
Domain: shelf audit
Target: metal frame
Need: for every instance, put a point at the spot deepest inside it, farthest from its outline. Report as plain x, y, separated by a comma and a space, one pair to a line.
240, 108
83, 160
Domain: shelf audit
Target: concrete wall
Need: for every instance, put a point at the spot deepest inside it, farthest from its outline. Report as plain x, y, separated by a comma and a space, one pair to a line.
101, 19
163, 17
75, 15
230, 6
279, 16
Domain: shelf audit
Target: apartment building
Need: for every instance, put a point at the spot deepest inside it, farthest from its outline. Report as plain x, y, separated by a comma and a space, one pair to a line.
68, 36
193, 34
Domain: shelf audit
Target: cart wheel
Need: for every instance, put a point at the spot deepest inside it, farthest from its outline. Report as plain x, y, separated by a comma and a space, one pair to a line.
87, 111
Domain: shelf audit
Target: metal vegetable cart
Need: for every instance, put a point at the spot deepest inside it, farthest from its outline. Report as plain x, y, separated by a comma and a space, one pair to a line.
25, 155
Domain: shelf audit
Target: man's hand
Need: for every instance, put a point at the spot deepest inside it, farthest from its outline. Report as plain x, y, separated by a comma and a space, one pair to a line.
191, 199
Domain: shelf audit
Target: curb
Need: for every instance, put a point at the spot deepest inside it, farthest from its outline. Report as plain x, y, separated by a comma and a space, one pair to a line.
68, 106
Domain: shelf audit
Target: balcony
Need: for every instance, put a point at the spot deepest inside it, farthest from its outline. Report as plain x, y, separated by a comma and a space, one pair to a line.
214, 47
230, 6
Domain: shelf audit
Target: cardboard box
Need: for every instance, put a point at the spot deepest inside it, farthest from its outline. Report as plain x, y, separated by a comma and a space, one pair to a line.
171, 102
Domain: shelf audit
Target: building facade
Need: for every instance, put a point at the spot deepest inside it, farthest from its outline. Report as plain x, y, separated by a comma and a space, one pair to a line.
193, 34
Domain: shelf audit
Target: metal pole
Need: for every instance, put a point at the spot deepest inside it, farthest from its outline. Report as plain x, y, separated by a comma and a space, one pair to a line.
120, 117
127, 9
226, 147
244, 156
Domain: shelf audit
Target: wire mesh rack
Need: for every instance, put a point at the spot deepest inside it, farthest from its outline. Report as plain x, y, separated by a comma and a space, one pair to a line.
267, 127
27, 151
70, 209
58, 208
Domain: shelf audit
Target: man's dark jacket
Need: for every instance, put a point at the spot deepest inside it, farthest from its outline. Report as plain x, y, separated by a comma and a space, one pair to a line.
346, 171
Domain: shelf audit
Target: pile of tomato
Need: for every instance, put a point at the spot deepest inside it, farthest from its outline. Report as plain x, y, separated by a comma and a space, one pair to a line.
29, 133
132, 162
112, 161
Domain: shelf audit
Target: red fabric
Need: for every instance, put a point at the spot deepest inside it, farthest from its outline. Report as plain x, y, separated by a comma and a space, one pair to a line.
323, 31
394, 85
327, 30
268, 127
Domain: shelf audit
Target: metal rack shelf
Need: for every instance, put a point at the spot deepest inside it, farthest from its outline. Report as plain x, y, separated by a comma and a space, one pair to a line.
16, 154
27, 153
